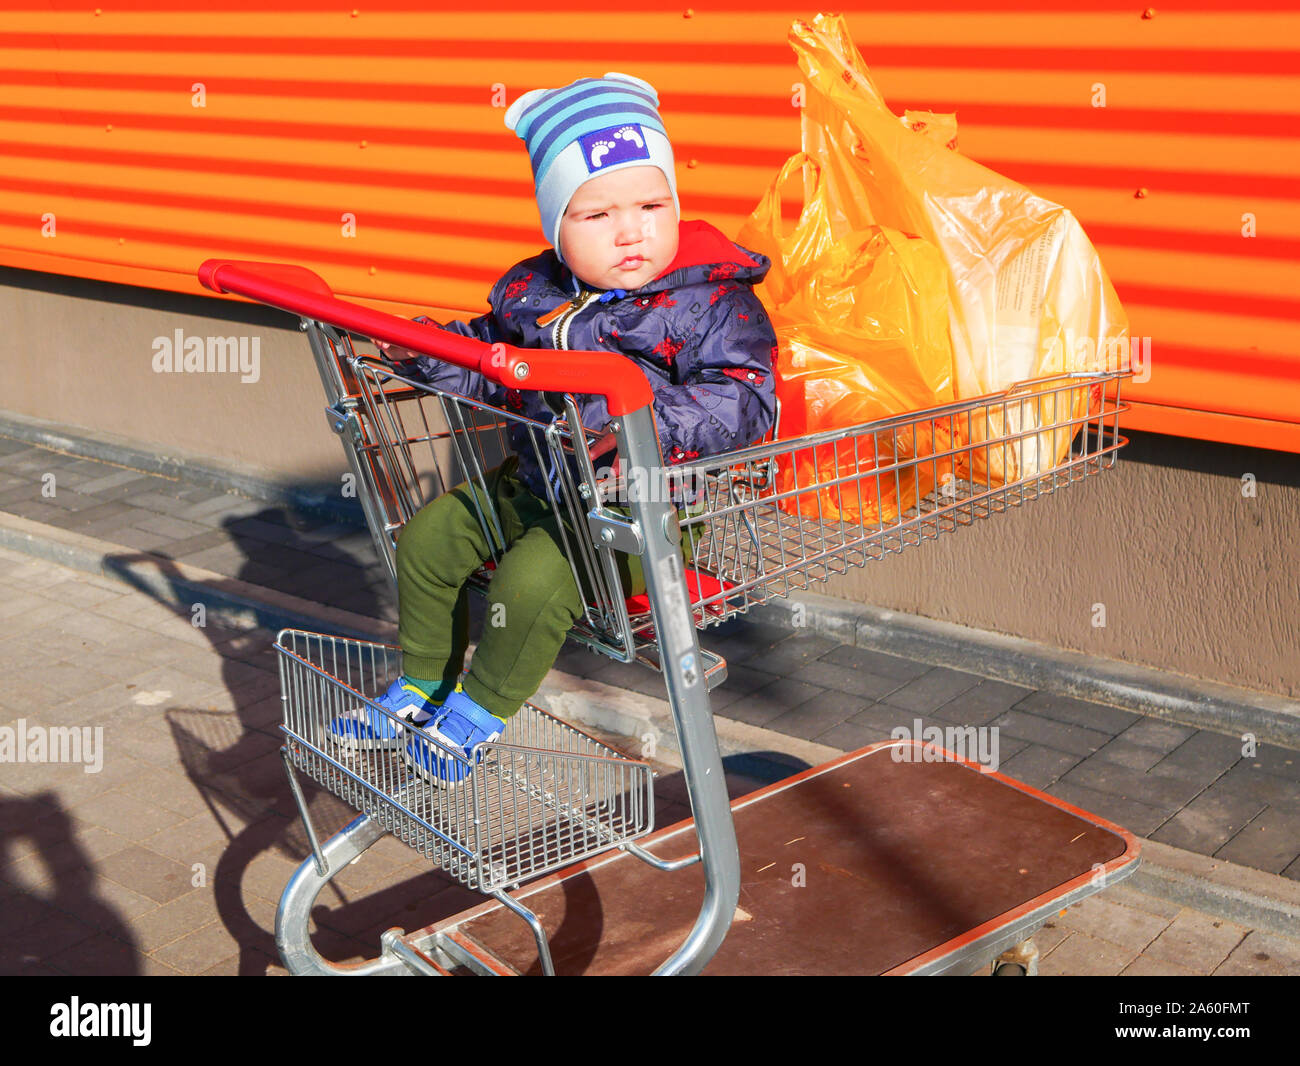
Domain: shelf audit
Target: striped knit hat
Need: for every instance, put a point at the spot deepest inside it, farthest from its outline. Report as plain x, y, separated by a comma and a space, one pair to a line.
588, 128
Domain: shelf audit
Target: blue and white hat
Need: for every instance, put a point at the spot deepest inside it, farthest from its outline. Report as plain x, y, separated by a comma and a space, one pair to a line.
590, 127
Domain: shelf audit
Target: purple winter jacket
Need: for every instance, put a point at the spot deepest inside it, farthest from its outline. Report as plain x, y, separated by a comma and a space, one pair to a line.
697, 331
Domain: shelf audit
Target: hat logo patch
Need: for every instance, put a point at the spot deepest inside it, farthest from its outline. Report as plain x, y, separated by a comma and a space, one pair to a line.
614, 144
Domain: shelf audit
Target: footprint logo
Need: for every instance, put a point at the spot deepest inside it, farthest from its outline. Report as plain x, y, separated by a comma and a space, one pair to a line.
630, 133
599, 150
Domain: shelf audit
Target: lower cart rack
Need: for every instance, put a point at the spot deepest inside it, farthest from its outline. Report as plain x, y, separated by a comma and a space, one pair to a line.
543, 796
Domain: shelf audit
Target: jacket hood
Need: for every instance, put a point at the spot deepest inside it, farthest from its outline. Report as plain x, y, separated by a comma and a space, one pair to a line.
704, 254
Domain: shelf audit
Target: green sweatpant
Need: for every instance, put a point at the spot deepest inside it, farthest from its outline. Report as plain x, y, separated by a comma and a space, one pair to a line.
532, 593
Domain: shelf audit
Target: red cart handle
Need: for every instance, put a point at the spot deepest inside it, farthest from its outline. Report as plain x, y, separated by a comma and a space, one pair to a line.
297, 289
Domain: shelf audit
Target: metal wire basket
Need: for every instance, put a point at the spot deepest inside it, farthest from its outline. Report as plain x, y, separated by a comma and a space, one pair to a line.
777, 517
542, 797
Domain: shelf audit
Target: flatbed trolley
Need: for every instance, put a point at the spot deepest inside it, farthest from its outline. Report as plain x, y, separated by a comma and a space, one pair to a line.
899, 858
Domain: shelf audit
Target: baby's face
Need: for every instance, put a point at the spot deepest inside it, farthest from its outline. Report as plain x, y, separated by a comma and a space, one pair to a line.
620, 229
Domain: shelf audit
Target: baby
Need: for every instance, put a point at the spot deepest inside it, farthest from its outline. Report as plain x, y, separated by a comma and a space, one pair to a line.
623, 274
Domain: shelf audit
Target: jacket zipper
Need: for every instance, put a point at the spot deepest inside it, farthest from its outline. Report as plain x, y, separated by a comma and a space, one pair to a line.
560, 338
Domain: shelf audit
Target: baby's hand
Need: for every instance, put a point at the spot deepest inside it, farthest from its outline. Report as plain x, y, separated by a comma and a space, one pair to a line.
394, 353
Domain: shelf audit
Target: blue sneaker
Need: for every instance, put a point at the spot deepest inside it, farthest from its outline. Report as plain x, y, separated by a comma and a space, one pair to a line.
460, 725
365, 729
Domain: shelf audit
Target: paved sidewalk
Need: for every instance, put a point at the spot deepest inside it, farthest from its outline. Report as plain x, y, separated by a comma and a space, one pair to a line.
1189, 787
171, 856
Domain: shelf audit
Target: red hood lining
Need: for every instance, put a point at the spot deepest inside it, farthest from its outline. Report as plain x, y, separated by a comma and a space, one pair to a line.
700, 243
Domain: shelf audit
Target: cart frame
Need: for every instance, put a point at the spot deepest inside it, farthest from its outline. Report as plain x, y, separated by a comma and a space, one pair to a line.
761, 520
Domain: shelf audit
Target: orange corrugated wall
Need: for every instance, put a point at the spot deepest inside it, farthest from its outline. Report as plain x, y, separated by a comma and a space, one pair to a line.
385, 112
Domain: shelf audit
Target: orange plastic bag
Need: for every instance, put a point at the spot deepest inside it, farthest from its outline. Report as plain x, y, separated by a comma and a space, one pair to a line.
861, 318
1028, 296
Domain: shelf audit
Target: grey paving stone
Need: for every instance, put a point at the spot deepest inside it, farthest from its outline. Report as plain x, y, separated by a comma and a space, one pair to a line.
161, 502
359, 547
175, 528
1262, 955
877, 662
29, 490
201, 542
844, 678
1131, 897
884, 717
79, 520
1078, 712
35, 509
223, 559
69, 500
981, 704
1203, 754
142, 540
356, 600
1155, 789
47, 937
1138, 818
259, 528
218, 506
1282, 762
816, 716
1144, 967
633, 677
1209, 821
1247, 779
128, 490
148, 873
771, 701
110, 480
1080, 955
850, 736
741, 681
315, 577
739, 640
797, 649
107, 526
52, 517
932, 690
1037, 765
131, 818
1052, 734
1197, 941
577, 660
1271, 842
326, 534
1106, 919
1133, 756
1156, 733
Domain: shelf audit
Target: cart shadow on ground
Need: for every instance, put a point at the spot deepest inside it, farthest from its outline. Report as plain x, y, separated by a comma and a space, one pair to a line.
231, 754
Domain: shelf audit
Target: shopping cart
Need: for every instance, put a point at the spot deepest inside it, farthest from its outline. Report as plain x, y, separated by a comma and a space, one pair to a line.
714, 537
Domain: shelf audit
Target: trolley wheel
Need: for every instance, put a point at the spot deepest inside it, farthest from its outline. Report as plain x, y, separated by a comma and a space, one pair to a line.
1019, 961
